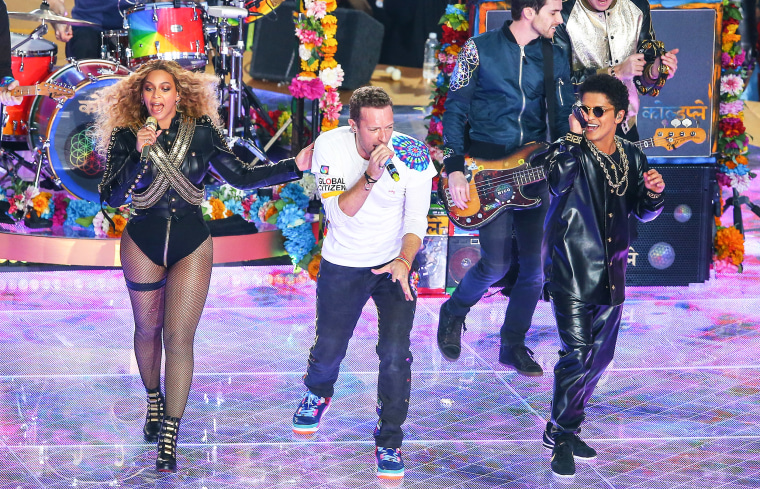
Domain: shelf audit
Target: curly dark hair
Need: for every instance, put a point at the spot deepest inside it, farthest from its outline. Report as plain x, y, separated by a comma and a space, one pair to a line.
367, 97
610, 87
519, 5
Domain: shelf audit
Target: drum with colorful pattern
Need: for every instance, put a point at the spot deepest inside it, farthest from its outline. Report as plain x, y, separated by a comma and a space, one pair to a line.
161, 31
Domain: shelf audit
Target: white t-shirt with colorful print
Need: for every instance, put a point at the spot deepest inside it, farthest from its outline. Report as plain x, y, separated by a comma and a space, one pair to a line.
392, 209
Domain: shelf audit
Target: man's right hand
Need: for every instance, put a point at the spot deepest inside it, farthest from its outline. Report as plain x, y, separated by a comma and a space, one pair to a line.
63, 32
377, 160
459, 188
632, 66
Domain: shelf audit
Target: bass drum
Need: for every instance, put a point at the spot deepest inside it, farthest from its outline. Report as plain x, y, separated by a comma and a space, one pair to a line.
65, 133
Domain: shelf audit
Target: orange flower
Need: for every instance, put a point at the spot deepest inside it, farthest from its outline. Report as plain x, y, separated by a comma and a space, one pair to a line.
328, 62
453, 49
120, 224
41, 201
741, 160
307, 74
330, 5
217, 208
330, 46
730, 29
731, 164
313, 267
729, 243
328, 124
329, 25
270, 212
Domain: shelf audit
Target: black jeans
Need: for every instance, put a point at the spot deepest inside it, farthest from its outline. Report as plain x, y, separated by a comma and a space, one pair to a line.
588, 334
342, 292
495, 258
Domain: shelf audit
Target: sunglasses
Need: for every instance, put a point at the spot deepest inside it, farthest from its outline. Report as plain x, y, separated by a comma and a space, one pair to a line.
597, 111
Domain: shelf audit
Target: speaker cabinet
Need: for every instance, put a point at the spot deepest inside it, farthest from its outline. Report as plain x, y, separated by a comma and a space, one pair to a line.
275, 46
463, 254
676, 248
432, 261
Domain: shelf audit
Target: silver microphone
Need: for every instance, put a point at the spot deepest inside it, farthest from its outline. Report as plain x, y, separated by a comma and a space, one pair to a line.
225, 12
153, 124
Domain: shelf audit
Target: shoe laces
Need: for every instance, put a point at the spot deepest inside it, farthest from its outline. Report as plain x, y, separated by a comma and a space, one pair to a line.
309, 405
389, 454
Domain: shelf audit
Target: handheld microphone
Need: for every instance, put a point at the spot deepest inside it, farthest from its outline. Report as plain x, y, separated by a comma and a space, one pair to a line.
392, 169
153, 124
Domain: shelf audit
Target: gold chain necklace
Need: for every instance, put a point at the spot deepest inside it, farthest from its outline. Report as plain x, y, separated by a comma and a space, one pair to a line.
621, 175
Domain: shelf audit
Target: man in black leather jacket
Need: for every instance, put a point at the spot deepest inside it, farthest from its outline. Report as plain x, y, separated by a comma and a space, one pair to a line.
498, 89
602, 36
597, 181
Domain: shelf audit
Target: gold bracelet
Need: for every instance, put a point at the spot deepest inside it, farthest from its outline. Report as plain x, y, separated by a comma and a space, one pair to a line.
405, 262
653, 195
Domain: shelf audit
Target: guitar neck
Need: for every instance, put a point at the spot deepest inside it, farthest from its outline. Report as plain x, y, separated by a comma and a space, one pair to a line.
645, 143
26, 91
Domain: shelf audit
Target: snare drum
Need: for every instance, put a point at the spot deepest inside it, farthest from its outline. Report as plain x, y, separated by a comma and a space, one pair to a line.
64, 133
32, 62
160, 31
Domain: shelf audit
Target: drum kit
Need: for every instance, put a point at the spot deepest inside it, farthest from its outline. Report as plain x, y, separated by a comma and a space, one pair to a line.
52, 135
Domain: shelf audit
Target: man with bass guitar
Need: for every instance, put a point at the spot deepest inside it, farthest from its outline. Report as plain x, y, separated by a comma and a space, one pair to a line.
498, 100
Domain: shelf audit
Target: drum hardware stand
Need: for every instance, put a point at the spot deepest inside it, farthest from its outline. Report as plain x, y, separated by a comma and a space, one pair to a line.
737, 201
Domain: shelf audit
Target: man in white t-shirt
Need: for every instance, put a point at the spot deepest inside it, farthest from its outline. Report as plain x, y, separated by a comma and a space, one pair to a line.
375, 186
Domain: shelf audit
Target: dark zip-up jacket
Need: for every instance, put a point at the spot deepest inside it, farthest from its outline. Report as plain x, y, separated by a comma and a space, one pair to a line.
586, 233
498, 87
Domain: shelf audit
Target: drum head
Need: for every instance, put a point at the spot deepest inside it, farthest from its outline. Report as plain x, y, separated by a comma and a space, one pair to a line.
33, 47
72, 152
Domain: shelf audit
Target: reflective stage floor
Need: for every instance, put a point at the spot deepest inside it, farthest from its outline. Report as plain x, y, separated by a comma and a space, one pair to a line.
678, 408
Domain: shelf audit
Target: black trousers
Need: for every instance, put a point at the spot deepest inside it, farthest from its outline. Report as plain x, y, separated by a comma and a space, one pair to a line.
342, 292
588, 334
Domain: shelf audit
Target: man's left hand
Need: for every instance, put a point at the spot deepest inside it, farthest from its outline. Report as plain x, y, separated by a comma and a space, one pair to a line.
398, 272
653, 181
670, 60
5, 94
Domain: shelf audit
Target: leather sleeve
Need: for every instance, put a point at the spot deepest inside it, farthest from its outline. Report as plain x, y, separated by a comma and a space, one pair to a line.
561, 162
243, 175
648, 204
123, 168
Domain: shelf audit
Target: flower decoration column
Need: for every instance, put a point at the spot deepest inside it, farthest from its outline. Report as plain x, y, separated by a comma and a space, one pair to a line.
733, 141
455, 28
320, 75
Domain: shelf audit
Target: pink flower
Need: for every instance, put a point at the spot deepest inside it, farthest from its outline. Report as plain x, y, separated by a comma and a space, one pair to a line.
436, 153
331, 112
316, 9
724, 266
436, 127
739, 58
305, 87
725, 59
731, 85
732, 108
307, 36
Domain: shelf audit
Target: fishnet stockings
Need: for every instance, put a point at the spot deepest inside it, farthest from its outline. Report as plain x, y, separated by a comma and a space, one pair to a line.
173, 310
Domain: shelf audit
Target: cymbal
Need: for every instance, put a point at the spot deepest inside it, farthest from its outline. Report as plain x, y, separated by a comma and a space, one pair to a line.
45, 15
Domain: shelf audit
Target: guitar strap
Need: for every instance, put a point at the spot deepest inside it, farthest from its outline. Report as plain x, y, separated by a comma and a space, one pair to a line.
551, 99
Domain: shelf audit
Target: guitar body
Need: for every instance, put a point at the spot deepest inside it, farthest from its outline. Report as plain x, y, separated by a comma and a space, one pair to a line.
495, 186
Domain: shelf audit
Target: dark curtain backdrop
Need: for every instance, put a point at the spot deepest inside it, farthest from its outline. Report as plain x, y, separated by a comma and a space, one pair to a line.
407, 25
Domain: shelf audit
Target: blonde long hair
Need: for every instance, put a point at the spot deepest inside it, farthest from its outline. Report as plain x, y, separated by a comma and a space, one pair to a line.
120, 105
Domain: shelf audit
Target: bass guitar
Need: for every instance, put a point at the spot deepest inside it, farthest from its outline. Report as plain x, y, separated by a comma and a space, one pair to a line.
496, 186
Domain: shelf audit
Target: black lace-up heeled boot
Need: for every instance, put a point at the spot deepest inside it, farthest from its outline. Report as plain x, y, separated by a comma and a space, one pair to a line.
154, 415
166, 459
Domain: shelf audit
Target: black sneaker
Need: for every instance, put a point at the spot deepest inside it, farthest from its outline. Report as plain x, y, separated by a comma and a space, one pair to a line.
563, 463
450, 333
581, 450
520, 357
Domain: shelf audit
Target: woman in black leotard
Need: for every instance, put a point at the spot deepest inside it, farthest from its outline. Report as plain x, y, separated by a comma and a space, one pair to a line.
166, 248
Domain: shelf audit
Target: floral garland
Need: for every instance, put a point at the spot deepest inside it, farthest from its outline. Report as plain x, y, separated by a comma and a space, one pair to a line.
733, 141
455, 33
266, 131
316, 30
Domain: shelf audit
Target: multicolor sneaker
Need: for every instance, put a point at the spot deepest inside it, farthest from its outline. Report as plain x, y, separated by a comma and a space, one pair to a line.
389, 463
309, 413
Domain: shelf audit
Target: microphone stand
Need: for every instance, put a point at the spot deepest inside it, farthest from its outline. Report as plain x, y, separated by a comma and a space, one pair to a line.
737, 201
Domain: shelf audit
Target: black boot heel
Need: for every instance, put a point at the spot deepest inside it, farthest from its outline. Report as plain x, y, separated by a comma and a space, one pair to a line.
154, 416
166, 459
